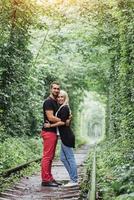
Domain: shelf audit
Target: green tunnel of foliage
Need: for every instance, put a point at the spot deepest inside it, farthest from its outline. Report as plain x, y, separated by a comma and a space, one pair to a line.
85, 45
97, 56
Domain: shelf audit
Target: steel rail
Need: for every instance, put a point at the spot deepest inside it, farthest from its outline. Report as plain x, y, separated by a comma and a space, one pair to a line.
18, 168
92, 191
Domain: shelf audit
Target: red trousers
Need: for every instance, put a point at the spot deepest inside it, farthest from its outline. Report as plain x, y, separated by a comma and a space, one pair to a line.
49, 147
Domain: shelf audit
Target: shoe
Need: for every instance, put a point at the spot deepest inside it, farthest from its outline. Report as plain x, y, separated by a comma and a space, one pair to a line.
71, 184
54, 181
49, 184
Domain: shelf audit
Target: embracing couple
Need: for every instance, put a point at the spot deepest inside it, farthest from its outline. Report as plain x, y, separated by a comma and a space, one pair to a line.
57, 116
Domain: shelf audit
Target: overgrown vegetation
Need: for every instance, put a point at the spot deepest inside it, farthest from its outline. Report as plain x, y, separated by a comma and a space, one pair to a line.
115, 170
87, 46
18, 150
115, 155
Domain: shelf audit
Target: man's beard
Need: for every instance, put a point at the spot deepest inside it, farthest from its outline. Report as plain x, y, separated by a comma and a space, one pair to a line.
55, 95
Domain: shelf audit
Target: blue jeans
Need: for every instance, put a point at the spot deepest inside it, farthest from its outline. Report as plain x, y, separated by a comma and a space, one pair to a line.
68, 159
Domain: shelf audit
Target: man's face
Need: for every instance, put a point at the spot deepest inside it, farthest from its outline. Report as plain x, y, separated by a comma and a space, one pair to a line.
55, 90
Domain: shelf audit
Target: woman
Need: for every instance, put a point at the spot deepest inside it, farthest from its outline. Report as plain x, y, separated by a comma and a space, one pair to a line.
67, 138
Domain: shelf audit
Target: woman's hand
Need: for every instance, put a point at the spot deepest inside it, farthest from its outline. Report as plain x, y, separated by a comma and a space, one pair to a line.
47, 125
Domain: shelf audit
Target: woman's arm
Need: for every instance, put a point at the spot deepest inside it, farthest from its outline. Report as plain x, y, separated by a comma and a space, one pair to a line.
48, 125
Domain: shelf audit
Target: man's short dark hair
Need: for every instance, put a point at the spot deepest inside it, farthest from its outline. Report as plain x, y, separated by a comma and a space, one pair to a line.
54, 83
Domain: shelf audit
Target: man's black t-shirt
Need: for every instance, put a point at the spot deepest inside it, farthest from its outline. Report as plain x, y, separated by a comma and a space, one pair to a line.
66, 134
49, 104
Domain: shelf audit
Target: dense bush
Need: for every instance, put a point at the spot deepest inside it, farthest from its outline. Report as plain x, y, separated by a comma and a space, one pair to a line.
115, 30
19, 150
115, 168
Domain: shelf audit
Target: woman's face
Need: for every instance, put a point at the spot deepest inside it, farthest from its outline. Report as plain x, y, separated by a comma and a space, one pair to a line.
61, 99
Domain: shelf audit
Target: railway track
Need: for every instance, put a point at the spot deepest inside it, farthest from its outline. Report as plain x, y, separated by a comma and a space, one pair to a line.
30, 188
92, 191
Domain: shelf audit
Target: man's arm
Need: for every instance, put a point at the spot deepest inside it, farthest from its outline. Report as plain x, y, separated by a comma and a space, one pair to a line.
51, 117
48, 125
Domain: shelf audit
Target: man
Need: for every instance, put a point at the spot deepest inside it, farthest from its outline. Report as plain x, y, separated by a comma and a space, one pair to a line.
49, 136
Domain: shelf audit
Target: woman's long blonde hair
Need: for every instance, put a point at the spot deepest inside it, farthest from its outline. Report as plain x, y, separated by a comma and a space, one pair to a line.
66, 102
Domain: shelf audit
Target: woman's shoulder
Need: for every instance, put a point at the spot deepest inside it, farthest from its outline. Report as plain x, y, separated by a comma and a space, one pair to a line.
64, 108
63, 112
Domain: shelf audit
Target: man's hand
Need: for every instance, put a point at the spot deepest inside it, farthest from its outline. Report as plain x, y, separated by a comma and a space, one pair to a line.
70, 116
68, 121
47, 125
